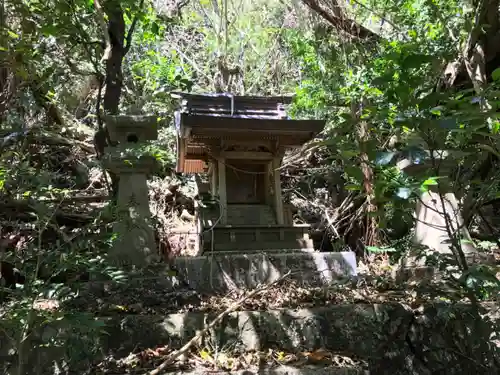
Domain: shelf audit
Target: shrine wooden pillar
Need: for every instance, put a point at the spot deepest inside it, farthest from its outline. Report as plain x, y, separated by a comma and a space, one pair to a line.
214, 177
278, 199
268, 183
221, 172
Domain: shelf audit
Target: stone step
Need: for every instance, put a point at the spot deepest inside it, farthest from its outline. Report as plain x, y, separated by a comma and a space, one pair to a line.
359, 329
258, 214
282, 250
261, 246
389, 338
256, 237
239, 214
222, 272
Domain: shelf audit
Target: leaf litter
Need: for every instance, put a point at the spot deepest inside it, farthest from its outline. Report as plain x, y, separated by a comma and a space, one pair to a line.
226, 360
149, 297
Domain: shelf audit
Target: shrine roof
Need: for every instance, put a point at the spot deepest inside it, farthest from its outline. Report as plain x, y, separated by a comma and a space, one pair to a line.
205, 120
233, 106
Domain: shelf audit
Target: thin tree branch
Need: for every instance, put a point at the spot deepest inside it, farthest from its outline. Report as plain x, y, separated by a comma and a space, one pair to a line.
338, 19
104, 29
130, 33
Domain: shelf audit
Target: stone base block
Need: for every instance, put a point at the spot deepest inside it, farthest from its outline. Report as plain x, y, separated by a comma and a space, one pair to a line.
426, 268
224, 272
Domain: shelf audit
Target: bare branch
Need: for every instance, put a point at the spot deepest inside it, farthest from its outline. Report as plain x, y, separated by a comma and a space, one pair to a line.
130, 33
337, 17
104, 29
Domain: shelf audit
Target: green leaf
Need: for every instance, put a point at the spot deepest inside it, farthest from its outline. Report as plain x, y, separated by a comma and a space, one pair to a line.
354, 172
352, 187
430, 181
349, 153
416, 61
155, 28
448, 123
436, 111
495, 75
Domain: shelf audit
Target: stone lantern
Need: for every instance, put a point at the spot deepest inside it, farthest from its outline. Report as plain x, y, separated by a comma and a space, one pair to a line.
437, 203
131, 161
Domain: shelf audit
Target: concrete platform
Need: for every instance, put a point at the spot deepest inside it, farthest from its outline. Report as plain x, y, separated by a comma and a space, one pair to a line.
227, 271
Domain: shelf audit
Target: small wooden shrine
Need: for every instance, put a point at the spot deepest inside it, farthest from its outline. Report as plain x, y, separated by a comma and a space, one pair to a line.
237, 144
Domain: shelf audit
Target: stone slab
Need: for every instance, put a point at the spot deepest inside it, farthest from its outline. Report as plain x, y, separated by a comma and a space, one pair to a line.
225, 272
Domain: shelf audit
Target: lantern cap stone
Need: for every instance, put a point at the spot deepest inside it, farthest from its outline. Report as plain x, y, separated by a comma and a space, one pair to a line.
132, 128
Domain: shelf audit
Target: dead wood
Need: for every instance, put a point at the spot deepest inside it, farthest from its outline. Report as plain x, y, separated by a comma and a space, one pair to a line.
336, 16
25, 210
43, 138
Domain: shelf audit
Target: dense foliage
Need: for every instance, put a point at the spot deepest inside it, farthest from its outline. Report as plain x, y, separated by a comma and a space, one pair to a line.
393, 80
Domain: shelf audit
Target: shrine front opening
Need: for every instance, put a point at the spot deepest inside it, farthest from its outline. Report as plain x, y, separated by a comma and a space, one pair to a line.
239, 142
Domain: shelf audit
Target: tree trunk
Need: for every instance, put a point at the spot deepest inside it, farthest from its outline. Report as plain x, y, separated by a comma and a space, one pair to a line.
113, 60
3, 70
114, 77
7, 79
371, 235
481, 56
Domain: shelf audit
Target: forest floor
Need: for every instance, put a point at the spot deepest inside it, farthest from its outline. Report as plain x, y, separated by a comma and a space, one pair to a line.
150, 297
